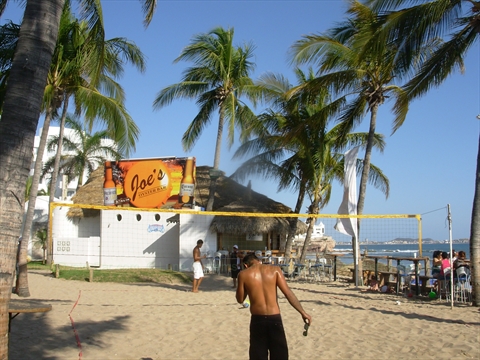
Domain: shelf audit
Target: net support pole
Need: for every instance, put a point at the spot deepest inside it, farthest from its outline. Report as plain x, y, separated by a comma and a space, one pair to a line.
451, 254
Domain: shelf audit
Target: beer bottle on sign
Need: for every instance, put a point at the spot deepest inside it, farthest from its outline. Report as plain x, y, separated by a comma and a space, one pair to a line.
109, 188
187, 185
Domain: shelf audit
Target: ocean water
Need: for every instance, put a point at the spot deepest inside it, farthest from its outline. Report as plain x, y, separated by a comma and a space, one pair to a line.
404, 250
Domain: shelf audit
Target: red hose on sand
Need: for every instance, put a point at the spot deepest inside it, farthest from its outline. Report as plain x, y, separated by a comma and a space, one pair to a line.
79, 344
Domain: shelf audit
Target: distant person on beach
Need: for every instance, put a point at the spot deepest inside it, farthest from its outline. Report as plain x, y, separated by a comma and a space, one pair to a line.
259, 282
437, 263
197, 266
235, 260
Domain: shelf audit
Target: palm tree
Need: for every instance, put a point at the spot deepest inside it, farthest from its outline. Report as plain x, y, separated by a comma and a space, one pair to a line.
28, 189
41, 237
17, 131
219, 77
70, 76
84, 152
366, 75
297, 147
20, 116
274, 158
410, 24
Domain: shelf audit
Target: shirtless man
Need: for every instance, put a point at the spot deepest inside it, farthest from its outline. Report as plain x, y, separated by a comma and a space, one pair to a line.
260, 283
197, 266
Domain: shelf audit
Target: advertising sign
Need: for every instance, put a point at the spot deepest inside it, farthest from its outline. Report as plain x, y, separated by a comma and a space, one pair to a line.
150, 183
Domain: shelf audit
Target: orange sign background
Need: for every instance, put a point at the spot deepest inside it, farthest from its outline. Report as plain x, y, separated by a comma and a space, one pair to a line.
150, 183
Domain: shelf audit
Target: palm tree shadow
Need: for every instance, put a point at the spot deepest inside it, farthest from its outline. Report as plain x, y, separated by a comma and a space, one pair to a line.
42, 337
416, 316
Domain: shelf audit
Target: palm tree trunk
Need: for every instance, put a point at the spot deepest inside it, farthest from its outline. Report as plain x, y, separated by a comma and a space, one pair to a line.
366, 161
294, 221
21, 287
216, 162
56, 166
363, 189
28, 75
475, 236
311, 225
307, 240
58, 155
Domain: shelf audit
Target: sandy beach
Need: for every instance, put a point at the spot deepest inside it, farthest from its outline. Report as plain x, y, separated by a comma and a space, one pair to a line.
155, 321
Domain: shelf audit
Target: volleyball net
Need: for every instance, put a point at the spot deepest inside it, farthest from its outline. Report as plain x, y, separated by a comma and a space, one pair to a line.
113, 237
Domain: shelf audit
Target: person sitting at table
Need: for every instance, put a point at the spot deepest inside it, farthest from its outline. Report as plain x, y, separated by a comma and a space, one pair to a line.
454, 256
437, 264
445, 270
373, 284
461, 261
445, 267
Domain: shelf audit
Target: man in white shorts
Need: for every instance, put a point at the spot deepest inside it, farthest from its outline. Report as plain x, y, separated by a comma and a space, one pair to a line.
197, 266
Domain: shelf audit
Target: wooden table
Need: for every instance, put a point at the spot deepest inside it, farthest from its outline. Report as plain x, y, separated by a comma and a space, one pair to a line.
376, 257
17, 306
385, 277
415, 260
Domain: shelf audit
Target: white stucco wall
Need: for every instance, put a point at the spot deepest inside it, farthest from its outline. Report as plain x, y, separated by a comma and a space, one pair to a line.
193, 228
135, 239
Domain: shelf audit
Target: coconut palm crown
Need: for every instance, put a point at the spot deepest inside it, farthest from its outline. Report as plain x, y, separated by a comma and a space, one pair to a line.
217, 80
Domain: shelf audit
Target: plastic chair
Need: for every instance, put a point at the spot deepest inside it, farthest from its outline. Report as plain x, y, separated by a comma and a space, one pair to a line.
462, 285
328, 268
208, 264
268, 257
320, 269
444, 284
217, 262
404, 279
224, 261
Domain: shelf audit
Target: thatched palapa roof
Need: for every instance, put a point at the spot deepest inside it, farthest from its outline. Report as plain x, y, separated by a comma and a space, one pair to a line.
254, 225
230, 196
90, 193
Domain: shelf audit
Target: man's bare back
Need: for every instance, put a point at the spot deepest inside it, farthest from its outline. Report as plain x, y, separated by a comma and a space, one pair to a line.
260, 283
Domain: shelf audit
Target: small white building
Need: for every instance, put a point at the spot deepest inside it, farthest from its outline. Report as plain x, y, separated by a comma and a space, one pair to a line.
130, 239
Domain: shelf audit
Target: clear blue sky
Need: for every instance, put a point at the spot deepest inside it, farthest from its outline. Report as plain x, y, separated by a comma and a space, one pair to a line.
430, 161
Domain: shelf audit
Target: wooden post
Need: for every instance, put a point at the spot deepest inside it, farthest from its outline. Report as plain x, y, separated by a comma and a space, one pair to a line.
57, 270
91, 275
